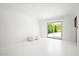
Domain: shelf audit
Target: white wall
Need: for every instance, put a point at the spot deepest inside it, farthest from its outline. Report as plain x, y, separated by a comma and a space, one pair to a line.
15, 25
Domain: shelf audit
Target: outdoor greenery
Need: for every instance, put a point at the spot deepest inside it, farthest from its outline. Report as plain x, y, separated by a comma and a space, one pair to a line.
54, 27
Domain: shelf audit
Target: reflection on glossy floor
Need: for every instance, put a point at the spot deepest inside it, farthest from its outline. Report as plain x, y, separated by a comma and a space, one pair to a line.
41, 47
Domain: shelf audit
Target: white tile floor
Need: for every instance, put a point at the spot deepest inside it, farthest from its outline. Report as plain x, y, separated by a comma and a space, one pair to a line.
41, 47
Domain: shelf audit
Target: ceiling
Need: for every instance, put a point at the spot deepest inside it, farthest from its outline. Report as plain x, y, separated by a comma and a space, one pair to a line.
40, 10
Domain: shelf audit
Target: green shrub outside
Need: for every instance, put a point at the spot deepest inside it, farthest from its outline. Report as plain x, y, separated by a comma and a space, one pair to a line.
54, 27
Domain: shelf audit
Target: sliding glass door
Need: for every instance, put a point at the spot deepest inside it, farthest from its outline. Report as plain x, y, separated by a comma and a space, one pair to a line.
54, 30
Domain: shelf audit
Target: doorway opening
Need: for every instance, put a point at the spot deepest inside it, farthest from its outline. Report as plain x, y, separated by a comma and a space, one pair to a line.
54, 30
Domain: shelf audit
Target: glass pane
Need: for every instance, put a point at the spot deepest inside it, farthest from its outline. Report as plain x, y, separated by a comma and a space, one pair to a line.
54, 30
